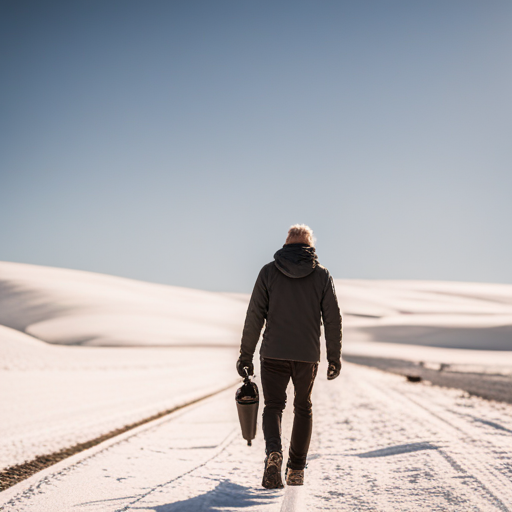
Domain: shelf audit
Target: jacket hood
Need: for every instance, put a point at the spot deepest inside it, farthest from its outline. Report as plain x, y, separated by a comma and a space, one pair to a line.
296, 260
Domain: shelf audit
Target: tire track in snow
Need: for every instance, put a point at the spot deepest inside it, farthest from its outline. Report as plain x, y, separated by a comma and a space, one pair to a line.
379, 442
472, 462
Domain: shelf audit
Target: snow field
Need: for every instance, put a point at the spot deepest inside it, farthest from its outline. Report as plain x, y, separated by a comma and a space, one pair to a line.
379, 443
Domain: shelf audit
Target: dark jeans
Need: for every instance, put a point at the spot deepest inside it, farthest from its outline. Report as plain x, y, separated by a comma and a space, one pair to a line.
275, 375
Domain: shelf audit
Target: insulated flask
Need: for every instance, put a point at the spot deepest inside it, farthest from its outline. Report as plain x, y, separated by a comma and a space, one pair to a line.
247, 400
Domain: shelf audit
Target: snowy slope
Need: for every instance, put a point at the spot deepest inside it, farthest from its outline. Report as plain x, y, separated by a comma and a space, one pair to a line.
432, 313
71, 307
82, 308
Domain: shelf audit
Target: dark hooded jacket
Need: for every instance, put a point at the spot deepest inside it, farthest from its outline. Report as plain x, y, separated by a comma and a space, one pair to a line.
293, 294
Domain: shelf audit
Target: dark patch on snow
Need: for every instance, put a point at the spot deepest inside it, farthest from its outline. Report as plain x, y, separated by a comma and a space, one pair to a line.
398, 450
225, 495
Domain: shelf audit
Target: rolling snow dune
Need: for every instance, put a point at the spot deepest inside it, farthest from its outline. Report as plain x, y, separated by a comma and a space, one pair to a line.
71, 307
429, 313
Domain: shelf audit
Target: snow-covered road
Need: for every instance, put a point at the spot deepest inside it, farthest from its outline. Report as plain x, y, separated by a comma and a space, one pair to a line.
379, 443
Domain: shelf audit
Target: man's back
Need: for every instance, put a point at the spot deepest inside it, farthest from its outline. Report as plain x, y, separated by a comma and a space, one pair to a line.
292, 294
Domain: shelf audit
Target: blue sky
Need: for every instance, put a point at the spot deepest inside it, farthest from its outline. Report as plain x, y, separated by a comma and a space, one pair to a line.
177, 141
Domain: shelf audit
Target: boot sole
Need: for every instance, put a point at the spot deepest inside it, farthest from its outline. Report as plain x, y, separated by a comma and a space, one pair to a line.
272, 479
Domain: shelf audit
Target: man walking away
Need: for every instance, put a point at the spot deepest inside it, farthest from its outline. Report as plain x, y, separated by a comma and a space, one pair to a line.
292, 294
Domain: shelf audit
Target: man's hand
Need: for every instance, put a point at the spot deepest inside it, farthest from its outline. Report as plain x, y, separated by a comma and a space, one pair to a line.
333, 370
240, 365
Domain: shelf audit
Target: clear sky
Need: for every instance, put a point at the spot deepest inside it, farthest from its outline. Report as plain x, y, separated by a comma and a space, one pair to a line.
176, 141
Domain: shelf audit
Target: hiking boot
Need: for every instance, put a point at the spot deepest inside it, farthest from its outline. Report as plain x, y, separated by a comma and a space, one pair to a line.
294, 476
272, 475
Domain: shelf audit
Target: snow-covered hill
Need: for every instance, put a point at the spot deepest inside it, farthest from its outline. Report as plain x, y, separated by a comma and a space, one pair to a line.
72, 307
431, 313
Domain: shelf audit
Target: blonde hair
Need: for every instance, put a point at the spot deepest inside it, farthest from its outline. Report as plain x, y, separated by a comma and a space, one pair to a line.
300, 234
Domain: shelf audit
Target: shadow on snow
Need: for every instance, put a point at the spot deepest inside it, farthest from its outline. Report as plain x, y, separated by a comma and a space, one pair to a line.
398, 449
226, 494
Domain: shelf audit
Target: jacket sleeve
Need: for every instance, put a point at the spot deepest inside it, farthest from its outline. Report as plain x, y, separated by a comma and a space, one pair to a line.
255, 318
332, 321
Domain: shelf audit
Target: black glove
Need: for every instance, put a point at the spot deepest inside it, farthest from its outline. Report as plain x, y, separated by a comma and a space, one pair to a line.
240, 365
333, 370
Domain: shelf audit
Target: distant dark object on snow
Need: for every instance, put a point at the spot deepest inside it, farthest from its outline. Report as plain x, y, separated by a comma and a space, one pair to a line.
413, 378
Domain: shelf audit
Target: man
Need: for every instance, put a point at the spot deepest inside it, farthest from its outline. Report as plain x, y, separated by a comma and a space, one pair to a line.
292, 294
